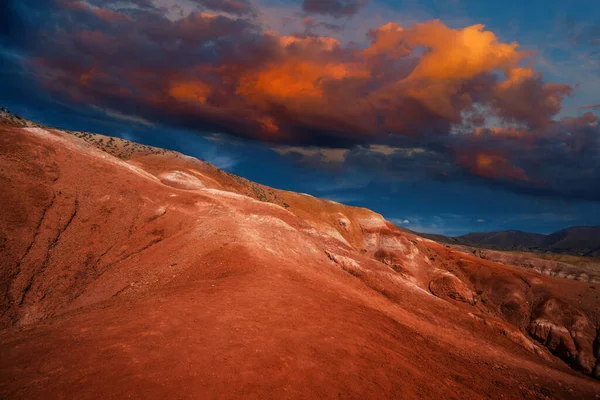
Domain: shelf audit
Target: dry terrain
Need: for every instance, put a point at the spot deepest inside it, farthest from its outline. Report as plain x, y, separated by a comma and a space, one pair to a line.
133, 272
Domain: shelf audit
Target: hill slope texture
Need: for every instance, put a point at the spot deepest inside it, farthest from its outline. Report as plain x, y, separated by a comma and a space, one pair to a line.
134, 272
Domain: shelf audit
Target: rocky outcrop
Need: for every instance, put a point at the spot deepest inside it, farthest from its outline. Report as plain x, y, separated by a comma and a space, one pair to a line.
448, 286
566, 332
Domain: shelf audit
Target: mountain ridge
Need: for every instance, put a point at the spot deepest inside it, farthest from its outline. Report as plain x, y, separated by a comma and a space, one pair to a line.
575, 240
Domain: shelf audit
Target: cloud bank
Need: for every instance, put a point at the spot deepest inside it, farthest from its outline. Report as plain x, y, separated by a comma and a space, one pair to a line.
421, 101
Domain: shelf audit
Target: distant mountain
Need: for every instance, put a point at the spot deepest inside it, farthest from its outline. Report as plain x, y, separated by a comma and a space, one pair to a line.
580, 240
582, 237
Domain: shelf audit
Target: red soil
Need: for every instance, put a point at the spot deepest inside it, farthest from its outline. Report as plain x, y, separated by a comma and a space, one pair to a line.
163, 277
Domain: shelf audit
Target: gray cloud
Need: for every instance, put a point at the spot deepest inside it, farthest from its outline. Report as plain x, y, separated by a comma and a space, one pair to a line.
335, 8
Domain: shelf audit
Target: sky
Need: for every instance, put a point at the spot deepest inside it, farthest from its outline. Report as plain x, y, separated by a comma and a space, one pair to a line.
446, 117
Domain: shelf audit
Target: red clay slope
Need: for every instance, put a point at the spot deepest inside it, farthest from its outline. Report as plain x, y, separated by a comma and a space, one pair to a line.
164, 277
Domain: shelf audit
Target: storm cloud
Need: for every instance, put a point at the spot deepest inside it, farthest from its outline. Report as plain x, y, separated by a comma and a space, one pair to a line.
423, 100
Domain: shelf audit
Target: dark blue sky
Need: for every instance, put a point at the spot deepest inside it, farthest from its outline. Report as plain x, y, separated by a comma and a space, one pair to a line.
440, 127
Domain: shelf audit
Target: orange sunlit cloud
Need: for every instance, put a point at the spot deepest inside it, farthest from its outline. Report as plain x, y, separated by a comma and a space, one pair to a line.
492, 166
191, 91
212, 71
